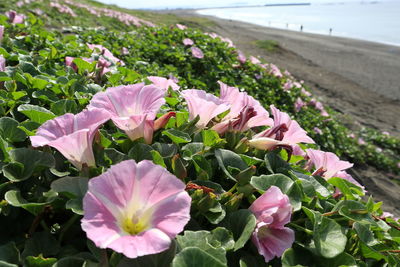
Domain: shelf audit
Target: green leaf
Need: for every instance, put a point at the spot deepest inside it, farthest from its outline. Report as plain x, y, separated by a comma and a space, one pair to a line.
200, 240
296, 258
9, 253
24, 162
39, 83
9, 130
188, 256
83, 65
241, 223
140, 152
211, 138
157, 158
14, 198
287, 186
75, 188
275, 163
328, 237
354, 210
178, 137
166, 150
36, 113
221, 237
347, 188
41, 243
39, 261
228, 159
318, 186
64, 106
162, 259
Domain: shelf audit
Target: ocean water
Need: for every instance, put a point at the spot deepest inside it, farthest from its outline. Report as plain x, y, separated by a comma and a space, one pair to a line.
372, 21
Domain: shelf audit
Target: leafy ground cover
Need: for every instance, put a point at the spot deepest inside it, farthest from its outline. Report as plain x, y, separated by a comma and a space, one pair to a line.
51, 66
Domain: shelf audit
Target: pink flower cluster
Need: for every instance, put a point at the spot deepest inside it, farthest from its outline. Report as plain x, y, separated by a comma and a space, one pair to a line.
132, 108
105, 59
63, 8
121, 16
244, 111
223, 39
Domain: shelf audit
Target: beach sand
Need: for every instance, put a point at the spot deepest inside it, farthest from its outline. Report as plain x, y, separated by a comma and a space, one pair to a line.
359, 79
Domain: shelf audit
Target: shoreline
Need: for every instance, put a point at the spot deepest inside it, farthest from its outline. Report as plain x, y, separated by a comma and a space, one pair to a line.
196, 12
356, 78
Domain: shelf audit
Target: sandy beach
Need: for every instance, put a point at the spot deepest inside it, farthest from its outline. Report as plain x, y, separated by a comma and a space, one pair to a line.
359, 79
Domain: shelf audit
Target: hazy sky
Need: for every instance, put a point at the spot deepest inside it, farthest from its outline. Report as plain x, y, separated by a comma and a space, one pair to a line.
162, 4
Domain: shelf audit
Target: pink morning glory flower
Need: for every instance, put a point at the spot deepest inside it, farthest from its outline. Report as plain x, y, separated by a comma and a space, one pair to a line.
196, 52
164, 83
72, 135
254, 60
299, 104
2, 63
106, 53
181, 27
124, 51
317, 130
14, 17
187, 41
245, 111
288, 85
204, 105
241, 57
69, 62
284, 133
133, 108
135, 208
326, 164
272, 210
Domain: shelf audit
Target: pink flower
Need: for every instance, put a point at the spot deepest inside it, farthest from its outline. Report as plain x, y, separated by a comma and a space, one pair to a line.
298, 151
299, 104
352, 135
275, 71
133, 108
1, 33
135, 208
14, 17
386, 133
196, 52
72, 135
2, 63
106, 53
305, 92
317, 130
204, 105
241, 57
254, 60
164, 83
245, 111
326, 164
181, 27
284, 133
288, 85
124, 51
272, 211
361, 141
188, 41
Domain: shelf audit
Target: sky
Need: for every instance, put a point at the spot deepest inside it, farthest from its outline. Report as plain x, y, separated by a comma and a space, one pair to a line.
163, 4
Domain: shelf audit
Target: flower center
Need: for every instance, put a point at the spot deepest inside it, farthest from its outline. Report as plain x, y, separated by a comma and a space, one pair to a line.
134, 226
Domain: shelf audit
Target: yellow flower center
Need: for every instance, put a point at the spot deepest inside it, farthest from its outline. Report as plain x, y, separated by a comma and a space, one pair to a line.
134, 226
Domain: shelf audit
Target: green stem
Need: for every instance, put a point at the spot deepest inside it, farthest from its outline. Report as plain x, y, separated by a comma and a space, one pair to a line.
67, 225
301, 228
233, 188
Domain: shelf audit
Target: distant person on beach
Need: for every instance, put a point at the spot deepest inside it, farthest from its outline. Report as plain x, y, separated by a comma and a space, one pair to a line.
301, 28
330, 31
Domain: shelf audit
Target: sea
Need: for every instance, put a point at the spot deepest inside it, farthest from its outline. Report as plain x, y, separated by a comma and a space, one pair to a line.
377, 21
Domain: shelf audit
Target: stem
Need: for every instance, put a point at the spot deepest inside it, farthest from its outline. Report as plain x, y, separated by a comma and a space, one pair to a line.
104, 258
301, 228
67, 225
232, 189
